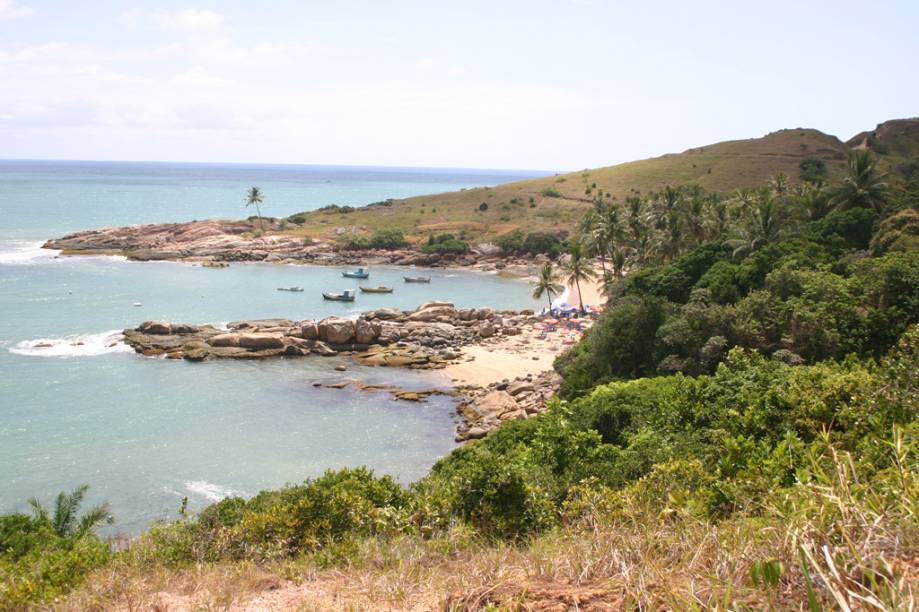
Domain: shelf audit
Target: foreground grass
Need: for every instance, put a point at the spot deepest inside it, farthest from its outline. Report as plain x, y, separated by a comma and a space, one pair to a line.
835, 542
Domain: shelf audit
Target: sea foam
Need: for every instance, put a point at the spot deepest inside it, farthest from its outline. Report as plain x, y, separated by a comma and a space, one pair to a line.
87, 345
24, 253
209, 490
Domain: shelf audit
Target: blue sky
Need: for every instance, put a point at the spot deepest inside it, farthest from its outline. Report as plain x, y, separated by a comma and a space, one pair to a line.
544, 85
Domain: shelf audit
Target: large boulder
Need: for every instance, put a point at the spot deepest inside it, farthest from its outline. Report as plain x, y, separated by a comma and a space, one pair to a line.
155, 328
385, 314
309, 330
260, 341
496, 403
484, 313
260, 323
336, 330
521, 387
435, 304
434, 313
230, 339
364, 331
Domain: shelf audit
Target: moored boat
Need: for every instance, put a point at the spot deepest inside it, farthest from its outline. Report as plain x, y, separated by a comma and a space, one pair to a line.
417, 279
379, 289
359, 273
345, 296
294, 289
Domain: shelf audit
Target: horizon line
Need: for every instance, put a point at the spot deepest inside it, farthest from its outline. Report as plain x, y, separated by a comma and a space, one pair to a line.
287, 164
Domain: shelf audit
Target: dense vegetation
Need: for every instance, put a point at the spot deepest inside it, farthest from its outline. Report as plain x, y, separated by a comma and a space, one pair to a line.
785, 271
751, 388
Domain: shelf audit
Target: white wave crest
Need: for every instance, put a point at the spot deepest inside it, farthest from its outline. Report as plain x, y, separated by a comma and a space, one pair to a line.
87, 345
209, 490
23, 253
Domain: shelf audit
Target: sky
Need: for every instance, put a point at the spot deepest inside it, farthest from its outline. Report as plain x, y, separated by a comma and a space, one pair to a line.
549, 85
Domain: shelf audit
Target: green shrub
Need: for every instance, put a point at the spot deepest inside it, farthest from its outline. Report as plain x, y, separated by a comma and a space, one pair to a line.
381, 239
551, 192
451, 246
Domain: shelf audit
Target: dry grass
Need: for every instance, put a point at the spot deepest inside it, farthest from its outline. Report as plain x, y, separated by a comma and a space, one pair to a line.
849, 546
720, 167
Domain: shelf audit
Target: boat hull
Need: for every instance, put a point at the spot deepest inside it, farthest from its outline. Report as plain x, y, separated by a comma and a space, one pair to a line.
337, 298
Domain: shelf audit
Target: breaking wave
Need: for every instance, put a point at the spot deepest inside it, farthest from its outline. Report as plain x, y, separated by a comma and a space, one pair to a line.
87, 345
23, 253
209, 490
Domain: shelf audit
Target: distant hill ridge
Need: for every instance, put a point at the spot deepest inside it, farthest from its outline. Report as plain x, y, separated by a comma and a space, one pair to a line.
897, 137
558, 202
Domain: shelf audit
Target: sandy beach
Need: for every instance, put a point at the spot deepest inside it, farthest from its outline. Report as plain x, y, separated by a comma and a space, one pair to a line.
508, 357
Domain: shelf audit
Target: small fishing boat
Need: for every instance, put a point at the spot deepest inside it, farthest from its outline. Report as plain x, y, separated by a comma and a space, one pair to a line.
346, 296
379, 289
294, 289
417, 279
359, 273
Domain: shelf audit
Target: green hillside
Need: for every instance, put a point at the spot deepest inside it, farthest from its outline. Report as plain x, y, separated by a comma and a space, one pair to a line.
558, 202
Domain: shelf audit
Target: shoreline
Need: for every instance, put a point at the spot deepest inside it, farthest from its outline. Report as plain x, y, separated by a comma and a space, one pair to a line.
499, 363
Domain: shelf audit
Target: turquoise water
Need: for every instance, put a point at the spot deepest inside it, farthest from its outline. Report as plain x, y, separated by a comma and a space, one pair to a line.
77, 406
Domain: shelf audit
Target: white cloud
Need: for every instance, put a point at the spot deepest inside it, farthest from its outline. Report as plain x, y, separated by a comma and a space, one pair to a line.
189, 20
11, 10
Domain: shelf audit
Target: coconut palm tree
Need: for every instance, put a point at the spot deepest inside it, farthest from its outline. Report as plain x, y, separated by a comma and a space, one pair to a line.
578, 269
255, 196
618, 260
815, 199
717, 220
65, 522
863, 186
547, 284
764, 225
671, 236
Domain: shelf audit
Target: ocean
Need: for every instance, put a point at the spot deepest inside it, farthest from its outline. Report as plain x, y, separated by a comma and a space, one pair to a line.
79, 407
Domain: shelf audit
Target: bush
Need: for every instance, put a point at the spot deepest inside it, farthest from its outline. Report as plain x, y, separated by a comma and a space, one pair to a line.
483, 206
849, 229
551, 192
511, 243
812, 169
381, 239
451, 246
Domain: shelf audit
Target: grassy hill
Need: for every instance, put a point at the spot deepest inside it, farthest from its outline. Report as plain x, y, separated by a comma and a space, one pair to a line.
898, 138
558, 202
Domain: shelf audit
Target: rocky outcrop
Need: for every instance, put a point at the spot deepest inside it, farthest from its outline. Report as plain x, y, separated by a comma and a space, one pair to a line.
214, 243
485, 409
427, 337
336, 331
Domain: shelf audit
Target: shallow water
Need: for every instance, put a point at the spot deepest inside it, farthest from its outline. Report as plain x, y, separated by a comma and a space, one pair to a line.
77, 406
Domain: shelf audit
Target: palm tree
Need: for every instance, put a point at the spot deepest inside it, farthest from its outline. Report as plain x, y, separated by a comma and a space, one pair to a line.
815, 199
577, 267
864, 186
717, 220
547, 284
256, 197
779, 186
671, 238
763, 226
617, 258
65, 522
